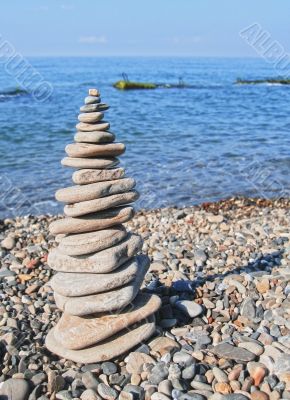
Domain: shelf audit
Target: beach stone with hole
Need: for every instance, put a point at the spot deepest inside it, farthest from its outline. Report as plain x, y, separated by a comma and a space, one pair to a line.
98, 263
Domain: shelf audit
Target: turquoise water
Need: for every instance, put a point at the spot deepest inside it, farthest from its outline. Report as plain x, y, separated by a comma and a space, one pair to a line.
184, 146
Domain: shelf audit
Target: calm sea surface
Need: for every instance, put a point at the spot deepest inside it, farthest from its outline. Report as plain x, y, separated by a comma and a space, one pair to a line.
184, 146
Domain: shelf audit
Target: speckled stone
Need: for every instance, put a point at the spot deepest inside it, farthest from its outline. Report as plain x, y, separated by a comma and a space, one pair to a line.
87, 176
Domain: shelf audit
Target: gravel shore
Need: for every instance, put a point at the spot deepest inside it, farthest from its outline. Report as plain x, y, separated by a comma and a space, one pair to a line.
222, 271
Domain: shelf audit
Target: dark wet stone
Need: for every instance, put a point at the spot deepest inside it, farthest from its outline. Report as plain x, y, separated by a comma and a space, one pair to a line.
137, 391
109, 368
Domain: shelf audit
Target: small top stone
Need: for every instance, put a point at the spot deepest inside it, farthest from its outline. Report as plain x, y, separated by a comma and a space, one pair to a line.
94, 92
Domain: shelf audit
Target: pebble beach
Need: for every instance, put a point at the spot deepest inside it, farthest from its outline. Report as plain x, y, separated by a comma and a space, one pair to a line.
222, 272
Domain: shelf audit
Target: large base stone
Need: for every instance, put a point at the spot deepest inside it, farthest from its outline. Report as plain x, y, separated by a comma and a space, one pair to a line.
111, 348
80, 332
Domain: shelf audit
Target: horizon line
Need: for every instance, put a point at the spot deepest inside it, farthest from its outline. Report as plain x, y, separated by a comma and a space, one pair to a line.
137, 55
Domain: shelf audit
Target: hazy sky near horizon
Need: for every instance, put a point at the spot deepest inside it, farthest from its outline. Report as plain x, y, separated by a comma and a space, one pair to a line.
136, 27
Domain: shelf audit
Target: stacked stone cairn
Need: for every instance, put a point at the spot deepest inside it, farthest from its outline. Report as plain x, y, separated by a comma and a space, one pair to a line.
98, 262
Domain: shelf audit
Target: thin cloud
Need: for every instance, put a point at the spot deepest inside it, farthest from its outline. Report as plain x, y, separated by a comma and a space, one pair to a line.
93, 39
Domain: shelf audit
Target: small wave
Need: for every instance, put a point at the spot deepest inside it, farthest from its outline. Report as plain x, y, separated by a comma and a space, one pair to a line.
15, 92
275, 84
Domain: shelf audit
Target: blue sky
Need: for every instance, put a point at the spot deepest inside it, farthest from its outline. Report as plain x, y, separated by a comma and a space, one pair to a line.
136, 27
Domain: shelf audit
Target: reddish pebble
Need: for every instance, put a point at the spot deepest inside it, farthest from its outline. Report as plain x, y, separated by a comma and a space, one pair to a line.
257, 371
31, 264
235, 373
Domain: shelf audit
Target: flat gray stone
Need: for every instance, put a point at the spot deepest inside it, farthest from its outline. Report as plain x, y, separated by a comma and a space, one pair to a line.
92, 99
84, 150
104, 261
107, 392
103, 203
98, 126
106, 350
228, 351
92, 191
91, 242
98, 163
92, 222
104, 302
80, 284
91, 117
282, 364
87, 176
94, 137
81, 332
94, 107
190, 308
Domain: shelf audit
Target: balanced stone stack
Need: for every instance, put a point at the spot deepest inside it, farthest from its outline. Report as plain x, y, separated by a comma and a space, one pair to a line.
99, 266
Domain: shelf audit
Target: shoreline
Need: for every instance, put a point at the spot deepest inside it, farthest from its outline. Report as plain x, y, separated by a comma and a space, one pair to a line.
214, 206
227, 262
